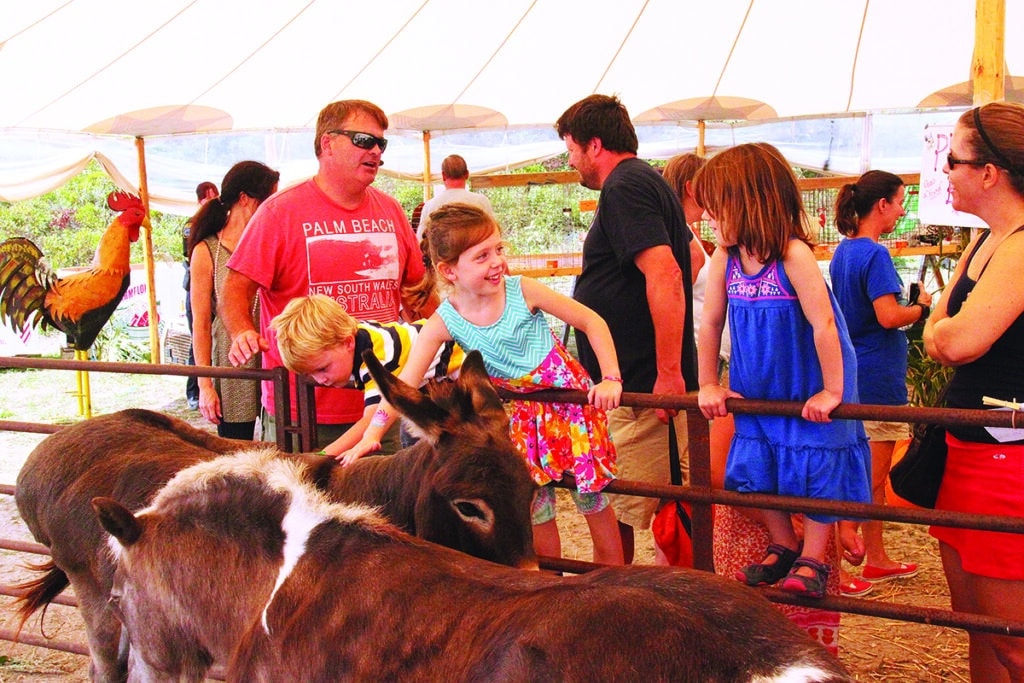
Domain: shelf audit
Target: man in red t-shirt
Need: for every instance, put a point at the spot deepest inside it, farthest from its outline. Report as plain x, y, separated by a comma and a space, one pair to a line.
333, 234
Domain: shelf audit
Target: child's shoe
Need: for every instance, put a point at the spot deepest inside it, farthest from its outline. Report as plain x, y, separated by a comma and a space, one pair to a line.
766, 574
807, 586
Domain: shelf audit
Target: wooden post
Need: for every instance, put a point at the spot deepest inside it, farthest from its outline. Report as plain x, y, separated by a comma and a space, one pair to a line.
700, 138
147, 251
989, 42
428, 187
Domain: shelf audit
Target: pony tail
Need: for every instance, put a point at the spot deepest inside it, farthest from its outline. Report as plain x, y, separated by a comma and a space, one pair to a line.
846, 210
208, 220
421, 299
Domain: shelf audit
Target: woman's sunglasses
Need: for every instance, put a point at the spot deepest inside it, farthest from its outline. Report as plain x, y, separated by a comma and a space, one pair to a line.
952, 161
362, 140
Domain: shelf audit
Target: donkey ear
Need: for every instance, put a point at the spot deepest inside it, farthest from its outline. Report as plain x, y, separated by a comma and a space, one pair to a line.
117, 520
407, 400
474, 380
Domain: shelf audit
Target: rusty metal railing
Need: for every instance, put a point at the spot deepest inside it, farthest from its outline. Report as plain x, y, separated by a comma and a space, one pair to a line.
702, 496
301, 428
699, 493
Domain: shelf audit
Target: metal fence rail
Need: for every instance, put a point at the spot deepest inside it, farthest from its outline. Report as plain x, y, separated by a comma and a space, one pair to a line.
699, 493
702, 497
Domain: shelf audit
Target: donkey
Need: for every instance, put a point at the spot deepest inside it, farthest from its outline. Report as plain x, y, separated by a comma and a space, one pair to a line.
320, 592
463, 485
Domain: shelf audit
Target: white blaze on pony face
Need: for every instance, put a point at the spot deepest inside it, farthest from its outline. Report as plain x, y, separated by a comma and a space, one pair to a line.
307, 509
307, 506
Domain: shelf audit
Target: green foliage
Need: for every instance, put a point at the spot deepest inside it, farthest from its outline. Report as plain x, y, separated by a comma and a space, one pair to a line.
925, 377
67, 223
114, 344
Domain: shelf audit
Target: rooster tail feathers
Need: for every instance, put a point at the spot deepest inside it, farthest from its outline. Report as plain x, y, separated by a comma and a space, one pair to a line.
45, 276
22, 296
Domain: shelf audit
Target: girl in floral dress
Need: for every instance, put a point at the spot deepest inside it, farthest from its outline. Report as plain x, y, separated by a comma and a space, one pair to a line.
503, 317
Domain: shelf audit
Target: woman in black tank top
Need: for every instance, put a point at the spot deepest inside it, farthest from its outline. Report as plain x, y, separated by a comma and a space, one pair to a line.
978, 327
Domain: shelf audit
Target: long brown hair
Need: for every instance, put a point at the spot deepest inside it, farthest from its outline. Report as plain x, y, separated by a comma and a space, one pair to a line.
452, 229
752, 193
246, 177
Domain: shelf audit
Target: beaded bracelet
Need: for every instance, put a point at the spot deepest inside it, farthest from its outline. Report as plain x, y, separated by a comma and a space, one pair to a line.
612, 378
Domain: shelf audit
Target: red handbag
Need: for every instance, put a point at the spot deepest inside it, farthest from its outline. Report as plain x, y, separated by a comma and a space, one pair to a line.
672, 533
671, 526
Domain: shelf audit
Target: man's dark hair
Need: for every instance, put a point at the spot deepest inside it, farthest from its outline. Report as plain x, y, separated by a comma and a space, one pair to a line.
203, 188
602, 117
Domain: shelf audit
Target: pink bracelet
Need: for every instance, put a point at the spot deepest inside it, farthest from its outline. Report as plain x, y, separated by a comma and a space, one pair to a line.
612, 378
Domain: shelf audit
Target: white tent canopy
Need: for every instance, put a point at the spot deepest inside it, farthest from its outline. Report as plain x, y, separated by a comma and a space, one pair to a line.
840, 74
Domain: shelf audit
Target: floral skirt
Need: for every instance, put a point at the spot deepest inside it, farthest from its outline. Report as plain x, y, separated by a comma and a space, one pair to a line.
740, 541
560, 438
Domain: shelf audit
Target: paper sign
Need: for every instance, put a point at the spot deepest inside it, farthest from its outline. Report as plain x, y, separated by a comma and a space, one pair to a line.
935, 204
1004, 434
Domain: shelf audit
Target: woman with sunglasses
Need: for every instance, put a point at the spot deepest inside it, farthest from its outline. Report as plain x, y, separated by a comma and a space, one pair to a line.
978, 328
231, 404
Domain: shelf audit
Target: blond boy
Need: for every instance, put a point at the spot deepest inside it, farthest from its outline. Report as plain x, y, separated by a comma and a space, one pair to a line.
316, 337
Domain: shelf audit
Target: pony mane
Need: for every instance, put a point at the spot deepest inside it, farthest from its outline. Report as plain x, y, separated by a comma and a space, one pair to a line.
307, 509
275, 473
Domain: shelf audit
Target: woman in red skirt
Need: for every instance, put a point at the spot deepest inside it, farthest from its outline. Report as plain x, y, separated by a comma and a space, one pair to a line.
978, 327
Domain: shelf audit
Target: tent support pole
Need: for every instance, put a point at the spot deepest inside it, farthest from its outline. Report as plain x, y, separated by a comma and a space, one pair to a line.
700, 137
147, 251
989, 41
428, 188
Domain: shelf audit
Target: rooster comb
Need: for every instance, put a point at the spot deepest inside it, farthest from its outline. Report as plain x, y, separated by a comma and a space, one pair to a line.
122, 201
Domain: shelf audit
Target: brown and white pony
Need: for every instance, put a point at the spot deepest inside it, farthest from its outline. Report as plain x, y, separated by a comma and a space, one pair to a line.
463, 486
242, 550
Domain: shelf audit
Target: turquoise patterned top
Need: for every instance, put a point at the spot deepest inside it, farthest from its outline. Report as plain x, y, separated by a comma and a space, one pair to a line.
513, 345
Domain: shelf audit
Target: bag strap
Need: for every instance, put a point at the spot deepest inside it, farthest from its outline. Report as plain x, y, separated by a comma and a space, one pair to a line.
675, 470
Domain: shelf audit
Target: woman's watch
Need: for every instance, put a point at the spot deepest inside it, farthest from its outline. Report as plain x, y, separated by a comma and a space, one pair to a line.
925, 311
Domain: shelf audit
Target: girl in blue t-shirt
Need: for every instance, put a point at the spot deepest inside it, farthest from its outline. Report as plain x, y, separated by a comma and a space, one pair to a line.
868, 290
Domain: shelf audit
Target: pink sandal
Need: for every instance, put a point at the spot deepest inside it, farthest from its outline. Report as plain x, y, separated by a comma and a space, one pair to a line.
807, 586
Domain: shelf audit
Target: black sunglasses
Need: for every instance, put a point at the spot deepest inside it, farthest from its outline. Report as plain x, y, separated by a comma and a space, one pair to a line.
952, 161
362, 140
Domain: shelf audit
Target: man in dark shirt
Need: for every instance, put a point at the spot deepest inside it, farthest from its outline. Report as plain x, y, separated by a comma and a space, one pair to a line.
637, 275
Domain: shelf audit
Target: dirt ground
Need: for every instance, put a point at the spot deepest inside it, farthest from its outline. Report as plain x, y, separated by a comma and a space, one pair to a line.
873, 649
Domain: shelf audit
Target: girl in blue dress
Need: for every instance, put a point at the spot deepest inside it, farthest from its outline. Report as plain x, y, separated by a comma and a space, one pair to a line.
789, 343
503, 317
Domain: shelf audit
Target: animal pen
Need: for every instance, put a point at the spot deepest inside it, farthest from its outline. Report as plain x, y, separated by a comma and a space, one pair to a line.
699, 493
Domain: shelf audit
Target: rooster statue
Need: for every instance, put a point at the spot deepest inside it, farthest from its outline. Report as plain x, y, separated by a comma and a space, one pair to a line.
79, 305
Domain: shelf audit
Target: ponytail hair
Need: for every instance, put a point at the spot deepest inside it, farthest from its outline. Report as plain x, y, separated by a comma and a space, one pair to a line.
246, 177
856, 200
